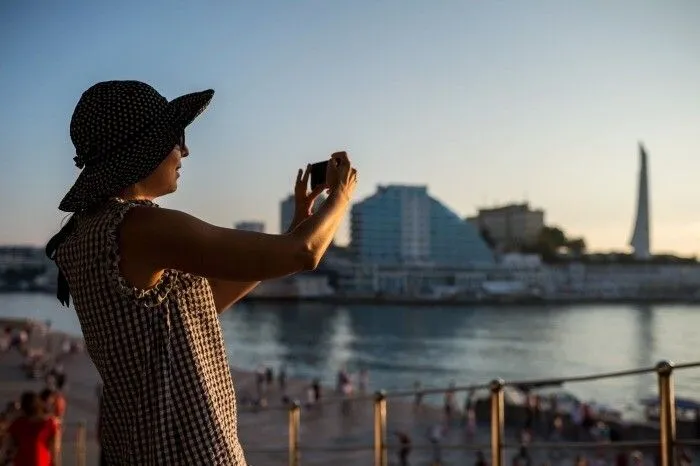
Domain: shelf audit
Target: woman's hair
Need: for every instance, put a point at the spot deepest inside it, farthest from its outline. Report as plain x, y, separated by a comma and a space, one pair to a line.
30, 404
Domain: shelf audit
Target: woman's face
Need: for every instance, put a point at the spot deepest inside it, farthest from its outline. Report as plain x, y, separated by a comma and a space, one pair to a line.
163, 180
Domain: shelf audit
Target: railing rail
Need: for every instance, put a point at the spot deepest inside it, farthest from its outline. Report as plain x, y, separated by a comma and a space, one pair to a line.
666, 443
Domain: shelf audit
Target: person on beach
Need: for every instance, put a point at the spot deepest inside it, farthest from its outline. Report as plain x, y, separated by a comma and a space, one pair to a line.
148, 283
33, 435
404, 447
54, 406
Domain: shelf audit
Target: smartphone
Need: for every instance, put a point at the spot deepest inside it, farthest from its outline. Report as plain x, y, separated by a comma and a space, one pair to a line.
318, 173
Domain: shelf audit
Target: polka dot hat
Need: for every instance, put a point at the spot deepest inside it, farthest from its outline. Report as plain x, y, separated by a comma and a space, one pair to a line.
122, 131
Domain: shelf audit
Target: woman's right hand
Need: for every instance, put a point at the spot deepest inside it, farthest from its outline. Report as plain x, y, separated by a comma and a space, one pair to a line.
341, 177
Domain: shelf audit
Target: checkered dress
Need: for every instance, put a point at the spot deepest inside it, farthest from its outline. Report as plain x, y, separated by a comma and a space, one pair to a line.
168, 395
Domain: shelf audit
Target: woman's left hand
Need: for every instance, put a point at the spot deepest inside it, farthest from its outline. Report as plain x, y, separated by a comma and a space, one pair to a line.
303, 198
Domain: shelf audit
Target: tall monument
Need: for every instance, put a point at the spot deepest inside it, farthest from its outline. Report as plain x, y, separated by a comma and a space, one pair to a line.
640, 241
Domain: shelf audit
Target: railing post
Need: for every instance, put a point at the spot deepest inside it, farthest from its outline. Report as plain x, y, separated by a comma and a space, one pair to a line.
497, 426
294, 425
667, 413
80, 453
380, 453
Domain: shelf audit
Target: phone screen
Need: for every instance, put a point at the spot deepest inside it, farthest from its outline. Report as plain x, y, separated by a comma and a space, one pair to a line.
318, 173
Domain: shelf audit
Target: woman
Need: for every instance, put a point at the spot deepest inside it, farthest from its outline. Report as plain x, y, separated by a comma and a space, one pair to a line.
33, 435
148, 283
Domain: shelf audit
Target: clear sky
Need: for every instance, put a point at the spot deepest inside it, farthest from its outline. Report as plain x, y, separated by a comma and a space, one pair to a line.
485, 102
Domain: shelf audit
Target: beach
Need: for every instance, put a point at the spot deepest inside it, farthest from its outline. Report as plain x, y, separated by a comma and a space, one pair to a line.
327, 433
262, 432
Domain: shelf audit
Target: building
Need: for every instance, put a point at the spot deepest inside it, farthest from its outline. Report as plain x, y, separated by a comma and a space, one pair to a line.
25, 268
286, 212
250, 226
287, 206
22, 257
641, 241
297, 286
511, 226
404, 225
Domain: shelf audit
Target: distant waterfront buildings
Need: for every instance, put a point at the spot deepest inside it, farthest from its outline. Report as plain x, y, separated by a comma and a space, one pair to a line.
250, 226
404, 225
510, 226
24, 268
12, 257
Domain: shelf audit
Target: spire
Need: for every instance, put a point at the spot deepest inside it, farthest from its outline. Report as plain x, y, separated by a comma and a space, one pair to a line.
640, 241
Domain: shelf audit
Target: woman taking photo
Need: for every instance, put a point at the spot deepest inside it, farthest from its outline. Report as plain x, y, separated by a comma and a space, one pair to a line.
148, 283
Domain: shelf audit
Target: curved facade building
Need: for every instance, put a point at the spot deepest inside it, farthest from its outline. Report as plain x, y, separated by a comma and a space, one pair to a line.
404, 225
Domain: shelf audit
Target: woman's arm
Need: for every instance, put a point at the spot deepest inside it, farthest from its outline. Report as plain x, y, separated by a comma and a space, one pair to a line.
227, 293
158, 239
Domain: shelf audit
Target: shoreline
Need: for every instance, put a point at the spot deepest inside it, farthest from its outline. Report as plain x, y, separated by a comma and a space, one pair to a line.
421, 302
448, 302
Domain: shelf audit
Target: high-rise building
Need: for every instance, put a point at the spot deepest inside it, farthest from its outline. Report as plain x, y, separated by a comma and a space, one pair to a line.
250, 226
405, 225
287, 206
286, 212
510, 226
641, 241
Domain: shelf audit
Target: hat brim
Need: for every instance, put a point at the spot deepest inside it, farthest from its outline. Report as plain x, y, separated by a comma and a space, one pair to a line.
137, 161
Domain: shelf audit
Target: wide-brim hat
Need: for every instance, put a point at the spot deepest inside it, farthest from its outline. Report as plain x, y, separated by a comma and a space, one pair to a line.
122, 131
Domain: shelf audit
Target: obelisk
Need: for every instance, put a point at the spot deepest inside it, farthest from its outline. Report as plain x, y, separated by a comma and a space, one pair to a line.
640, 241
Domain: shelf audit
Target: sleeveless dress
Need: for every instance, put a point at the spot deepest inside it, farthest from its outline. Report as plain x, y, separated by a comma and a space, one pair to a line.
168, 396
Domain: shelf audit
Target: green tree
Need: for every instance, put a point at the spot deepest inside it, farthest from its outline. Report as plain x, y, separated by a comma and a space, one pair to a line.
552, 238
577, 246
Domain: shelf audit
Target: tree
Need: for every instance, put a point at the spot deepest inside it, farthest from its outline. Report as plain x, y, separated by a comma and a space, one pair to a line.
577, 246
551, 238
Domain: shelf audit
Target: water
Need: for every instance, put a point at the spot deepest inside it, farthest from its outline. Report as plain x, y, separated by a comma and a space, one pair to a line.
437, 345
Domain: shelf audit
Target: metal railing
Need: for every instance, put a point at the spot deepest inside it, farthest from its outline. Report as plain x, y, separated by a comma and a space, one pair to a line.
667, 442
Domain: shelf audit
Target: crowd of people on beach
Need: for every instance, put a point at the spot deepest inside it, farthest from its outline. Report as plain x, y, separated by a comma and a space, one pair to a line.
347, 386
31, 425
544, 420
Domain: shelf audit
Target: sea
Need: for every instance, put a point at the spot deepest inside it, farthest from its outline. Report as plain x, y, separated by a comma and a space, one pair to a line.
399, 345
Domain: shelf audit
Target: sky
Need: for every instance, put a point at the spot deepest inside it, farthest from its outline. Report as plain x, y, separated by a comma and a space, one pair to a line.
485, 102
